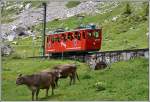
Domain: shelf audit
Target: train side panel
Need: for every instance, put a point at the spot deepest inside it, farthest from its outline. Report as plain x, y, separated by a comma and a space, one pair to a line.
81, 40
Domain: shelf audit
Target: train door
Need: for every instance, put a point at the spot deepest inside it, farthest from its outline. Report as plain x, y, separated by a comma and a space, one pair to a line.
83, 40
63, 42
77, 40
49, 44
90, 40
70, 39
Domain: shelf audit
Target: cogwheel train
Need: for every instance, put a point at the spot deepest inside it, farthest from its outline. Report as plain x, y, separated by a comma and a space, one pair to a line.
79, 40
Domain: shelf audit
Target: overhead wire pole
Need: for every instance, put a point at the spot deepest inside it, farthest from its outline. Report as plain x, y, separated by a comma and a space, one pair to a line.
44, 27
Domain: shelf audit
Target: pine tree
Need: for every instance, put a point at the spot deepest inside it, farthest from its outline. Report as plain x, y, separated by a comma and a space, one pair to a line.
146, 9
128, 9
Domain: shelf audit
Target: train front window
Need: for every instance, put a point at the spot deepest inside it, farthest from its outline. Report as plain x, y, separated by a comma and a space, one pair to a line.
96, 34
89, 34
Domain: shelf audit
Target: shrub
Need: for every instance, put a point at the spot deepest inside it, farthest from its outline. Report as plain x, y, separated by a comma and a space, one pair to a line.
99, 86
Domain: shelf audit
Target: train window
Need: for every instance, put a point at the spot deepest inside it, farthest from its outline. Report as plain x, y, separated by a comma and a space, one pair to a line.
58, 39
52, 39
70, 37
89, 34
96, 34
63, 37
83, 35
77, 35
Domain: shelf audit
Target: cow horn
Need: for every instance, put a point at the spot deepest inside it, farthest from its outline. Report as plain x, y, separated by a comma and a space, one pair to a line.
20, 75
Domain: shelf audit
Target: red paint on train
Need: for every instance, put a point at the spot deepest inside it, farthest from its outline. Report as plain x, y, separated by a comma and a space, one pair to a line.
73, 41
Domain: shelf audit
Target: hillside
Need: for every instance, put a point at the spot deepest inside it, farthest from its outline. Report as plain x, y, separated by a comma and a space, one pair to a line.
127, 80
119, 31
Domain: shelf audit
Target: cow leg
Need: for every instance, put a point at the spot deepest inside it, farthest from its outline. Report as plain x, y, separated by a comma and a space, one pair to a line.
37, 93
73, 77
52, 90
33, 92
56, 82
70, 80
46, 92
77, 76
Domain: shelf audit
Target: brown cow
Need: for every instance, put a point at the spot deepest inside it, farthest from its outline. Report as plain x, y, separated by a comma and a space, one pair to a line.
65, 71
36, 82
55, 74
100, 65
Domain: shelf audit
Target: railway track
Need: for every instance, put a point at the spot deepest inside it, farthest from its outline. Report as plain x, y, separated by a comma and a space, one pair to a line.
109, 57
92, 58
116, 55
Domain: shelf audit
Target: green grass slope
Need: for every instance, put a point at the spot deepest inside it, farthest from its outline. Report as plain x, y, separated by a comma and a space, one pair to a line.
126, 80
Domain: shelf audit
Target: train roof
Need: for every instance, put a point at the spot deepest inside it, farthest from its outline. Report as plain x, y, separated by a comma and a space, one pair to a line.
53, 33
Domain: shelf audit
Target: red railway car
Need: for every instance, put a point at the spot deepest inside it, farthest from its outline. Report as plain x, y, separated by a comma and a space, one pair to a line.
79, 40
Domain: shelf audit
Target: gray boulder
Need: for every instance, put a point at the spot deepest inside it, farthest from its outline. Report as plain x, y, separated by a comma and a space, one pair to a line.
6, 50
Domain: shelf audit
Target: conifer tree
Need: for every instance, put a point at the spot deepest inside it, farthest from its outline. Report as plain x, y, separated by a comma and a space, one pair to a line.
128, 9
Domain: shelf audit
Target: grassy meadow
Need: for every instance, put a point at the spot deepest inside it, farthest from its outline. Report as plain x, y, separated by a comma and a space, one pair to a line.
126, 80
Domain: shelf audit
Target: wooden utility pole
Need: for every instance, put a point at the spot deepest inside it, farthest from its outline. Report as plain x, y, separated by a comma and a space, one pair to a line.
44, 27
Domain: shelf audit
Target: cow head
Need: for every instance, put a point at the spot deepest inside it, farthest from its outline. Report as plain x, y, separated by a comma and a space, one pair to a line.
20, 80
58, 73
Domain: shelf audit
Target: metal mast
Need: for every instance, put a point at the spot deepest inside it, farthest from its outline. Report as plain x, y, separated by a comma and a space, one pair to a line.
44, 27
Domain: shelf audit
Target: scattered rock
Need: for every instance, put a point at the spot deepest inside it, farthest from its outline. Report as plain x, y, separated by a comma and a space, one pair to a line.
15, 42
28, 6
11, 36
6, 50
131, 28
114, 18
147, 33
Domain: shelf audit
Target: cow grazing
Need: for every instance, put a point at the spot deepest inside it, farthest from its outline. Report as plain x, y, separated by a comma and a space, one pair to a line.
67, 70
55, 75
36, 82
